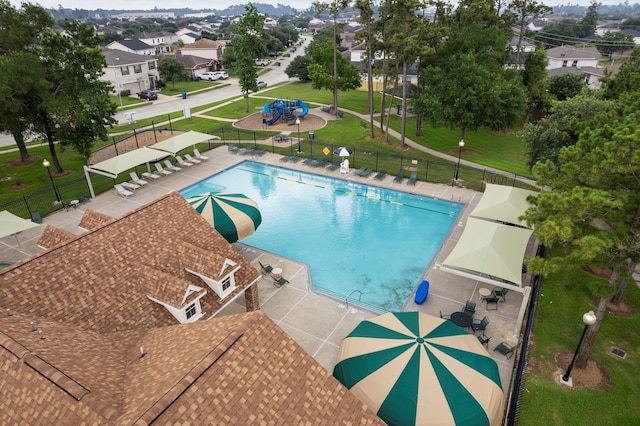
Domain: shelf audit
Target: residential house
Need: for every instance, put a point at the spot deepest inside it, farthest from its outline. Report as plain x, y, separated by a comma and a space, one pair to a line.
161, 41
205, 48
129, 71
195, 65
136, 46
569, 56
108, 327
633, 33
591, 75
188, 38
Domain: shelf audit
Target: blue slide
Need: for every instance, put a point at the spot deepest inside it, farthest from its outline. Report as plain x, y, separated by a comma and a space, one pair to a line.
267, 108
304, 107
275, 118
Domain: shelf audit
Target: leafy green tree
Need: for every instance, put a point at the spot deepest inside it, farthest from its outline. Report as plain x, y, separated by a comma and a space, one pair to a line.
249, 45
626, 80
589, 21
299, 67
611, 43
558, 34
322, 74
630, 24
564, 87
366, 18
592, 210
171, 69
525, 10
561, 128
536, 83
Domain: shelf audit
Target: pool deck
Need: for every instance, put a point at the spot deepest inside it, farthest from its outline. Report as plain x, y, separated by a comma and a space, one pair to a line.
318, 323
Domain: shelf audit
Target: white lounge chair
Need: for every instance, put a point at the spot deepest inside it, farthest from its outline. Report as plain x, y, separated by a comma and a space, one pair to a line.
150, 175
191, 159
162, 170
130, 186
171, 166
121, 191
135, 179
182, 162
198, 155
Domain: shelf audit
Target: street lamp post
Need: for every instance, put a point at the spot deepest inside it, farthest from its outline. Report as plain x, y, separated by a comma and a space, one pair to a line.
45, 163
460, 149
298, 124
588, 319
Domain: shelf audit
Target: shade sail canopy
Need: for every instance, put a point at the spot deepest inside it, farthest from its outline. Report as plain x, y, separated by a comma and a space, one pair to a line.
412, 368
11, 224
177, 143
234, 216
123, 162
503, 203
491, 248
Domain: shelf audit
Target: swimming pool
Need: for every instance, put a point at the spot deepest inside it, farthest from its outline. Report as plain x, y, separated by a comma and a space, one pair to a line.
352, 236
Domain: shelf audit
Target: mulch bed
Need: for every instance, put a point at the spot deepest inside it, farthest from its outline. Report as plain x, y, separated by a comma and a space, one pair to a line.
254, 122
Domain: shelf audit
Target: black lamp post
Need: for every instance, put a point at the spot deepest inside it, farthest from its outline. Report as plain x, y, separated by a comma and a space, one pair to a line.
45, 163
298, 123
460, 148
588, 319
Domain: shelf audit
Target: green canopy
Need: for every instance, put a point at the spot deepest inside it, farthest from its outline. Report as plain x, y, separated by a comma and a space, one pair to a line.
412, 368
503, 203
234, 216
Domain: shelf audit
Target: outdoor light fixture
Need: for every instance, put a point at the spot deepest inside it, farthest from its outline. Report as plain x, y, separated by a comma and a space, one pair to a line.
588, 319
298, 123
45, 163
460, 148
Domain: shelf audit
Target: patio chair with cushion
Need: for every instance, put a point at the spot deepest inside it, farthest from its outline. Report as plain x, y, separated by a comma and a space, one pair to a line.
470, 307
130, 186
183, 163
266, 269
279, 282
480, 326
506, 350
150, 175
484, 340
191, 159
490, 301
500, 292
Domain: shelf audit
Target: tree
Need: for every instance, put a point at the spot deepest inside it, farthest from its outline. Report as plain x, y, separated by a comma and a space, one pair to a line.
593, 208
558, 34
322, 74
626, 80
536, 83
561, 128
524, 10
589, 21
171, 69
366, 18
564, 87
334, 9
611, 43
299, 67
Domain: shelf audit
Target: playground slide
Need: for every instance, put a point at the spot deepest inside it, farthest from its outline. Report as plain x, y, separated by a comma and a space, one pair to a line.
274, 119
267, 108
304, 107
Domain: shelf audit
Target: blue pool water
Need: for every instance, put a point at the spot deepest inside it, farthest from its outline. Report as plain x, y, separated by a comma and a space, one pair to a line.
352, 236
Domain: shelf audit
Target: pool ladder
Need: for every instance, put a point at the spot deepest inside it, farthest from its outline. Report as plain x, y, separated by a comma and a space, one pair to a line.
346, 299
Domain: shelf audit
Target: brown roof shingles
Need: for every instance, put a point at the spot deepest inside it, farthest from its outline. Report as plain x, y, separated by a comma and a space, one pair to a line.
52, 236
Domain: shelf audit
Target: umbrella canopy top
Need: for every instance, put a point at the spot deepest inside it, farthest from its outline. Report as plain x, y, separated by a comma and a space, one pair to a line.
343, 152
234, 216
413, 368
11, 224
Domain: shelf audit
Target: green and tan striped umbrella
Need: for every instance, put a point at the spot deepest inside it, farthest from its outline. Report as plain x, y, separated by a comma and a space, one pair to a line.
415, 369
234, 216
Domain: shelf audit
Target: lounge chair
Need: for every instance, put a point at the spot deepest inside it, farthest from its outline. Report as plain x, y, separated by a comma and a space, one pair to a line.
170, 166
480, 326
360, 170
199, 156
130, 186
366, 172
309, 160
500, 292
233, 148
192, 160
412, 178
322, 162
294, 158
484, 340
490, 301
68, 206
259, 152
286, 158
82, 198
470, 307
161, 170
135, 179
333, 166
183, 163
278, 282
506, 350
399, 176
36, 217
266, 269
150, 175
121, 191
381, 174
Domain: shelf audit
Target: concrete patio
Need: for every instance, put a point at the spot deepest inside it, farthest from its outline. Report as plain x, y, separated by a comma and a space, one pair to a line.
318, 323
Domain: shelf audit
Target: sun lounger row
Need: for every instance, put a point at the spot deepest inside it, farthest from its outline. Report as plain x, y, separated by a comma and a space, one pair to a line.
242, 150
291, 158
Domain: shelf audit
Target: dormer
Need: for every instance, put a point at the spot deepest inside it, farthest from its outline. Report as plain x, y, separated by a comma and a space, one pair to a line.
224, 282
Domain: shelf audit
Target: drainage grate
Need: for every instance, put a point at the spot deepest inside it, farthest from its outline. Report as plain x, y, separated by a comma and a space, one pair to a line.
618, 353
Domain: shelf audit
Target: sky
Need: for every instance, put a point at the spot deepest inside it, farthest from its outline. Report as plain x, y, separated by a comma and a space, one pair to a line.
222, 4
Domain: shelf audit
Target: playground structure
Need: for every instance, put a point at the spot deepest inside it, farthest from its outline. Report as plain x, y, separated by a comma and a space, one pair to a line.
283, 110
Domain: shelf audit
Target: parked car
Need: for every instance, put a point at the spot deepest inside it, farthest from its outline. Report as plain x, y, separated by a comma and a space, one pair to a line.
209, 75
261, 84
149, 95
222, 75
262, 62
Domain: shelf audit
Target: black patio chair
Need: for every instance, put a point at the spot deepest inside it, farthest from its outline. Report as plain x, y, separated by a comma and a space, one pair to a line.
506, 350
266, 269
470, 307
279, 282
480, 326
484, 340
490, 301
500, 292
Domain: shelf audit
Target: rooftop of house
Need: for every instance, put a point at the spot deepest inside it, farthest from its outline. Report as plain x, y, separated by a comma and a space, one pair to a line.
570, 52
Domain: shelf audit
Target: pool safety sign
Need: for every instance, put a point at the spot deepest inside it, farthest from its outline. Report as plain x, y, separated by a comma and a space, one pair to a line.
326, 151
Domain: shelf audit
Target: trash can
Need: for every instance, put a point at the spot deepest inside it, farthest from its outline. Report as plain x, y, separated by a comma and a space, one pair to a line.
184, 95
197, 78
311, 134
398, 106
278, 63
